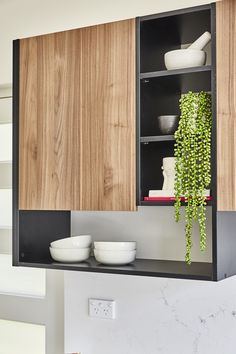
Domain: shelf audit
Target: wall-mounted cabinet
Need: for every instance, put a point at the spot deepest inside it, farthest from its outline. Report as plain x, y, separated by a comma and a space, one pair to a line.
74, 128
77, 119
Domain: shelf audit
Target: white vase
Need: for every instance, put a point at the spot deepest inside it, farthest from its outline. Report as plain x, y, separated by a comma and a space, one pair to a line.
168, 168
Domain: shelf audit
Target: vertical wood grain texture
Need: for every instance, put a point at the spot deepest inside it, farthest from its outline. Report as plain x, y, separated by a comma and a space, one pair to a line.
226, 104
77, 119
108, 111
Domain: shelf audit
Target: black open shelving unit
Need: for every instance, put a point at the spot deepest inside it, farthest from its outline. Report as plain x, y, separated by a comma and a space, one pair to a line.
145, 267
158, 92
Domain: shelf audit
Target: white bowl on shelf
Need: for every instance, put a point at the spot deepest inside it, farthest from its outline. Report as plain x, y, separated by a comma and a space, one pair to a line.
114, 257
82, 241
184, 58
68, 255
115, 245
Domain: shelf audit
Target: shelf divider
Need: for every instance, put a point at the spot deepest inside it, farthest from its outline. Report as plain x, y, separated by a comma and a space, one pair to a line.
166, 203
161, 73
156, 138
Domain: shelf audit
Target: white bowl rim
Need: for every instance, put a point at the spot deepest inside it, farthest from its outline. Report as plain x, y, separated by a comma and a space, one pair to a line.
75, 240
70, 248
70, 237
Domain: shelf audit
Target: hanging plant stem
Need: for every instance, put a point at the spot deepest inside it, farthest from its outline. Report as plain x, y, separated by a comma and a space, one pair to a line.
193, 163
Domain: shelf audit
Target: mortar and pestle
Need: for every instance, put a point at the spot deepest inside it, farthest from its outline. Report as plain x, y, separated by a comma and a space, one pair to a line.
190, 57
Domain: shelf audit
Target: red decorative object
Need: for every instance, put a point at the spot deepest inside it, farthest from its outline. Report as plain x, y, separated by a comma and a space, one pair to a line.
167, 199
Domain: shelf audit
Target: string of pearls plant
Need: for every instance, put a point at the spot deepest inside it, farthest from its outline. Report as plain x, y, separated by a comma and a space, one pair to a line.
193, 163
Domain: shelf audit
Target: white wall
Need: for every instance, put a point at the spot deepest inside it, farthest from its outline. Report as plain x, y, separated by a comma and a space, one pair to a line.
18, 337
47, 311
26, 18
157, 234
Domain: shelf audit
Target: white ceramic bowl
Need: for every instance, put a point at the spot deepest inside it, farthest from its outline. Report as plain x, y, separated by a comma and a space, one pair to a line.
114, 257
184, 58
82, 241
115, 246
69, 254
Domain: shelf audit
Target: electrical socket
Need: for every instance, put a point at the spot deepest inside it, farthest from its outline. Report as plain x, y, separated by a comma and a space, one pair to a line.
102, 308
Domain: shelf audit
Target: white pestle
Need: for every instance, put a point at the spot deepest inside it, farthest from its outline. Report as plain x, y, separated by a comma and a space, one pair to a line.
201, 42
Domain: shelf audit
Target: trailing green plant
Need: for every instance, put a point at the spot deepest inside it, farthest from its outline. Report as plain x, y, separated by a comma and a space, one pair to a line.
193, 163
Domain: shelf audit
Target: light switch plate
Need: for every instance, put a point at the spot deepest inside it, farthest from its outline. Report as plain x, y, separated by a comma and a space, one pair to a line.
102, 308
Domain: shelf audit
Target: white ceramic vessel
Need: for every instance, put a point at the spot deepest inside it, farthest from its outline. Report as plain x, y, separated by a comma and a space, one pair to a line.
82, 241
68, 255
168, 168
201, 42
115, 246
114, 257
184, 58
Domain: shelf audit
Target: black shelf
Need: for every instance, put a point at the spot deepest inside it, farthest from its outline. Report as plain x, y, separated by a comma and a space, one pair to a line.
162, 73
165, 203
157, 138
157, 203
140, 267
177, 83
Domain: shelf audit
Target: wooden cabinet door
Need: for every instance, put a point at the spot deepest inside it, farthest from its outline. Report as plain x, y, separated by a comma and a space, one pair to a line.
77, 119
226, 104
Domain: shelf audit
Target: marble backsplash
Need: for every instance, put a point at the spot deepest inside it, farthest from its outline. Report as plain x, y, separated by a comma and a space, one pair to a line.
154, 315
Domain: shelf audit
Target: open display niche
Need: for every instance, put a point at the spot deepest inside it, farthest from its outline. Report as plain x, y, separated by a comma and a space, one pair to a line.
160, 95
160, 90
169, 31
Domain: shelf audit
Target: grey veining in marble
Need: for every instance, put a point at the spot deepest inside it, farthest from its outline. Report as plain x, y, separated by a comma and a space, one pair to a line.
165, 316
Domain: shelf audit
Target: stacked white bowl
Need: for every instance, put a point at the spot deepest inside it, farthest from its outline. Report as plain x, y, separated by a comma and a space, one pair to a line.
115, 253
71, 249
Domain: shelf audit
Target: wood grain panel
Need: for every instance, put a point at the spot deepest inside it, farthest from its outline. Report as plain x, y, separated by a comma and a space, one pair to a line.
49, 122
77, 119
226, 104
108, 110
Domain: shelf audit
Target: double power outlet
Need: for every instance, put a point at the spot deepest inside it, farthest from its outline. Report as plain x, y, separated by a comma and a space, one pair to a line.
102, 308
